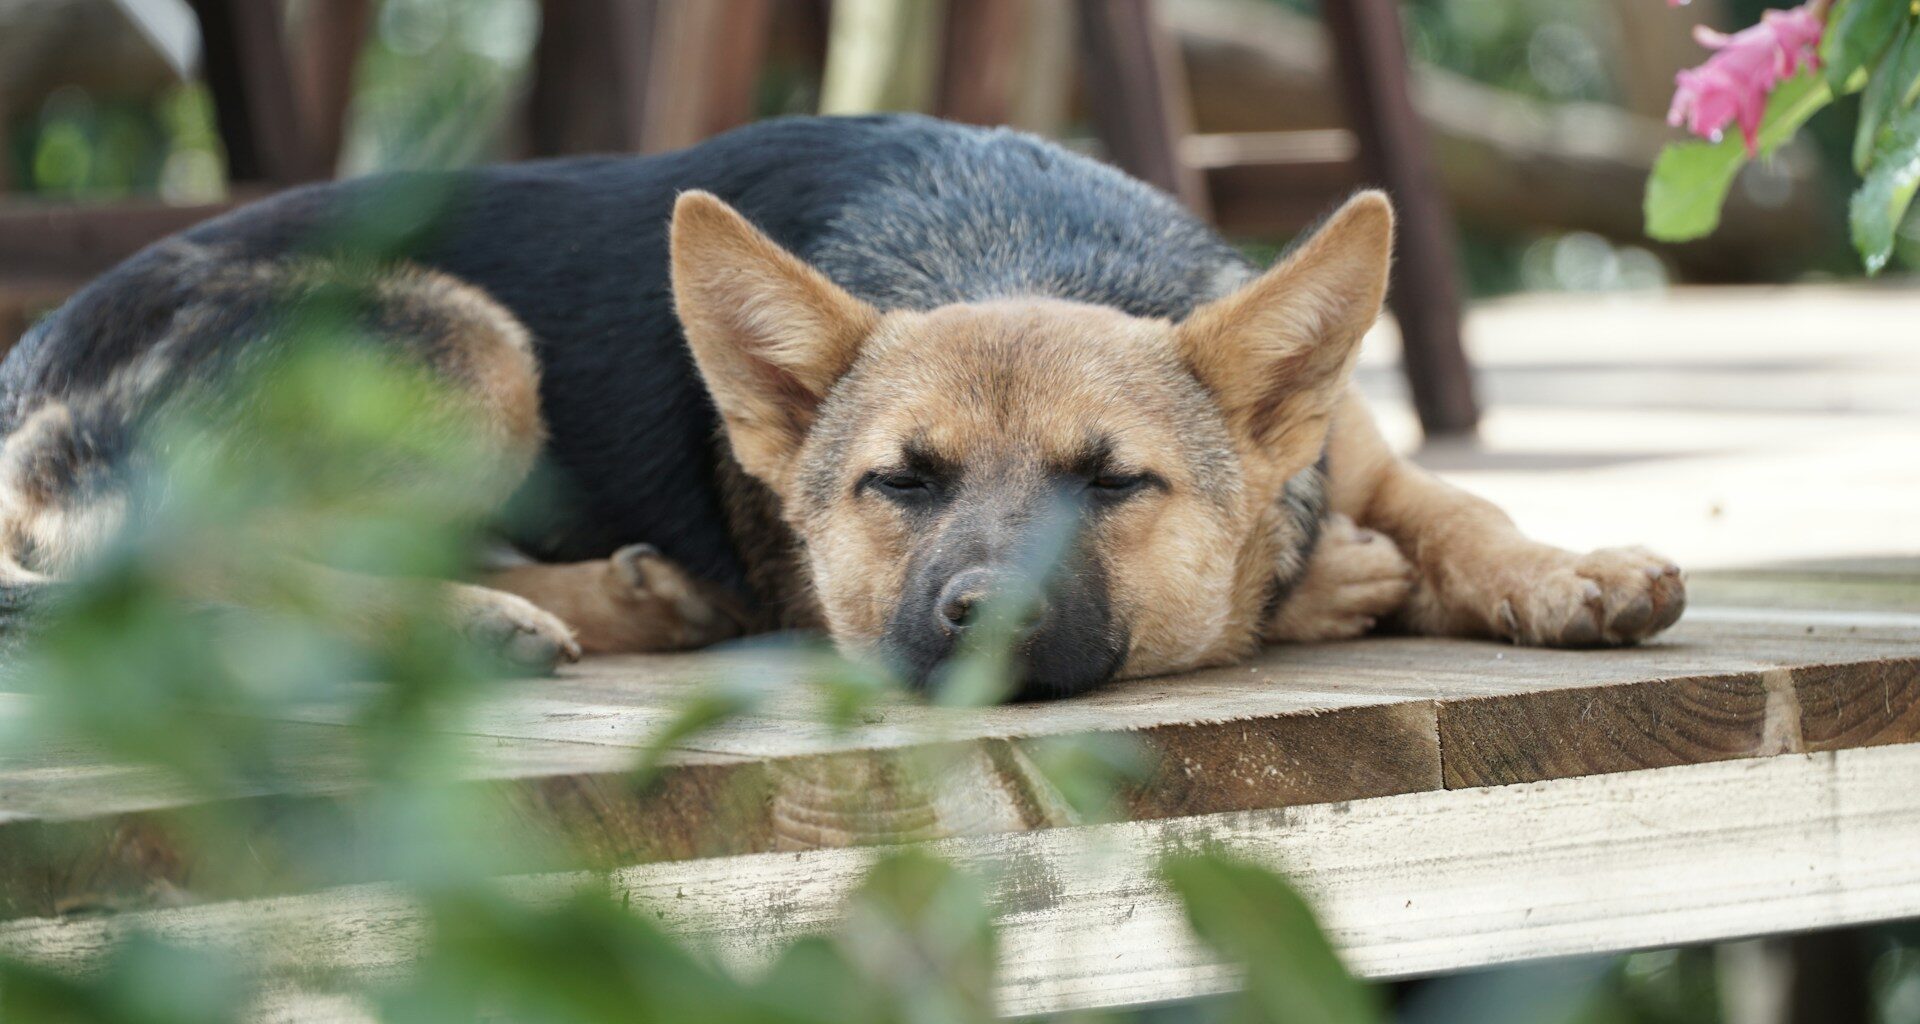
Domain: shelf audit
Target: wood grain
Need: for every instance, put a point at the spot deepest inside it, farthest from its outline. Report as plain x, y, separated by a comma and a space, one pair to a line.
1297, 726
1493, 741
1405, 885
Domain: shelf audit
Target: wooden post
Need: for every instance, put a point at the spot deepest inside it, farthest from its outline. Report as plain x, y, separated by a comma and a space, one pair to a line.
701, 71
332, 34
583, 86
1832, 978
1372, 65
1137, 84
254, 98
980, 61
643, 76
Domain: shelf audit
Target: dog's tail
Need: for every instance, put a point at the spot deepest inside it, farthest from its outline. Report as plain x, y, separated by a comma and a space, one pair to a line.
55, 512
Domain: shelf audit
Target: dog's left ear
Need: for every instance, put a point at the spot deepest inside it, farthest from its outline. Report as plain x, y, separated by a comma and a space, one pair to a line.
770, 334
1278, 352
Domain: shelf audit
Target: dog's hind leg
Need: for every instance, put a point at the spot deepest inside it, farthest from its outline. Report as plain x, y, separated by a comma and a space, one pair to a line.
636, 601
1477, 575
63, 490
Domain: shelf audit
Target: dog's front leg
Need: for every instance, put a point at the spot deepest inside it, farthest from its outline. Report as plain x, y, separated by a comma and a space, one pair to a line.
1477, 575
635, 601
1355, 578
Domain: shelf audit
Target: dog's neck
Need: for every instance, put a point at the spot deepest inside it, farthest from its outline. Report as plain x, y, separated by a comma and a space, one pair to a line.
779, 582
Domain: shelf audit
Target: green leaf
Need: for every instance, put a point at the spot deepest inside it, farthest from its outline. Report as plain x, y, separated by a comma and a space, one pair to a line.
1256, 919
919, 934
142, 981
1857, 30
1882, 199
1888, 90
1690, 179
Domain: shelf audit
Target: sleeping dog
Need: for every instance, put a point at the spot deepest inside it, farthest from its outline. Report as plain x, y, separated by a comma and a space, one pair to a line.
838, 374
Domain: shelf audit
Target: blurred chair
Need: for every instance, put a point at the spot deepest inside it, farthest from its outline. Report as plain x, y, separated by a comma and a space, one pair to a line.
647, 76
643, 76
1277, 183
279, 121
695, 76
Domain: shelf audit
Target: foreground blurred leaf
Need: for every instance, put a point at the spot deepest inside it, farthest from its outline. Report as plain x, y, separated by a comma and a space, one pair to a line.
586, 961
1857, 31
1690, 179
1091, 772
919, 936
1255, 919
144, 981
1889, 89
1881, 202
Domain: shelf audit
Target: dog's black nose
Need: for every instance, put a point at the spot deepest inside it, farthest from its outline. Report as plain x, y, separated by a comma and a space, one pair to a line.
961, 600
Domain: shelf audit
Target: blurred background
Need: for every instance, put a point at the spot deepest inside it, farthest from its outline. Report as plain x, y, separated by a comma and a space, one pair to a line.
1744, 402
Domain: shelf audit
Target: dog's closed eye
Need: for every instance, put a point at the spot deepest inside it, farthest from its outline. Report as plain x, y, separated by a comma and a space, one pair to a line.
899, 486
1118, 485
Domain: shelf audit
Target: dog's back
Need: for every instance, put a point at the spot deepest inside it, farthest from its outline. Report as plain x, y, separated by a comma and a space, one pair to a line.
904, 212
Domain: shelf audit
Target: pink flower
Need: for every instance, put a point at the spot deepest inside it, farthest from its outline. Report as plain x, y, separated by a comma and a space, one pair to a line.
1734, 83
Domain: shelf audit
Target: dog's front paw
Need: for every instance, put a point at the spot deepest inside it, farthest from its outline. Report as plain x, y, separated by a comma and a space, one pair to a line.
1355, 578
686, 612
1604, 598
520, 632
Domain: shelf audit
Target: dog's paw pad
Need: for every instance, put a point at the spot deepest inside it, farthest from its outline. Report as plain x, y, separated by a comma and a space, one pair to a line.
518, 631
1356, 578
1609, 597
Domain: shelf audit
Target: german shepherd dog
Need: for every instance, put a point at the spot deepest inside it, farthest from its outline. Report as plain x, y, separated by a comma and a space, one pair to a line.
837, 373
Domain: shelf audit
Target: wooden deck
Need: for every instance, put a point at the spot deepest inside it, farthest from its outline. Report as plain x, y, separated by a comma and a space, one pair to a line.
1446, 804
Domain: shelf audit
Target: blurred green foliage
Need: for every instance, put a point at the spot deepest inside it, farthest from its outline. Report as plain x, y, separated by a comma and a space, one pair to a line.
132, 662
290, 516
436, 83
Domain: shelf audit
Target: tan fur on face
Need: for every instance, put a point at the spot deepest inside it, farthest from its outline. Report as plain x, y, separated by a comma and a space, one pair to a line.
1008, 391
817, 390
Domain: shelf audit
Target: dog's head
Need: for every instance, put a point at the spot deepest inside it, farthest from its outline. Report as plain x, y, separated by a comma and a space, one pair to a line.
1122, 477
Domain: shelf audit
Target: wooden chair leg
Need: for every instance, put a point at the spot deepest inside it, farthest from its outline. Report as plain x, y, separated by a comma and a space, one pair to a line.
702, 72
583, 89
643, 76
1832, 978
332, 34
1372, 64
980, 61
255, 100
1139, 96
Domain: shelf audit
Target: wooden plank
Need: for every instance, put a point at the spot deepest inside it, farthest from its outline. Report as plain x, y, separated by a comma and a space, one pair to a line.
1206, 768
59, 246
881, 55
1405, 885
1301, 725
1274, 184
589, 76
1498, 740
1137, 90
1372, 64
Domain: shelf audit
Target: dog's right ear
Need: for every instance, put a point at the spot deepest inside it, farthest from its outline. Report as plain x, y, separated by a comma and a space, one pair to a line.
770, 334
